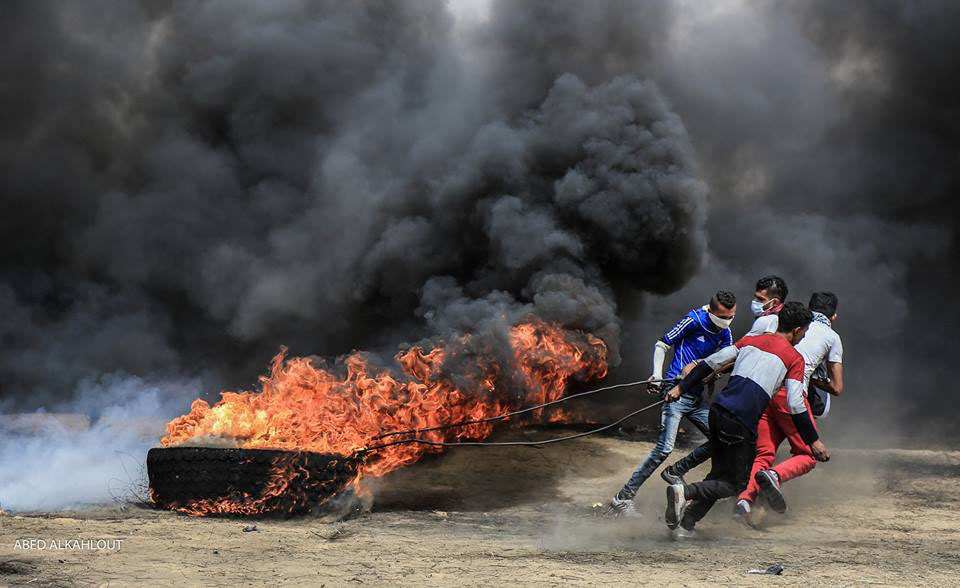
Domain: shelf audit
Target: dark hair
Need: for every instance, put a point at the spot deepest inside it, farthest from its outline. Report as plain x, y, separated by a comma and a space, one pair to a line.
824, 302
723, 298
774, 285
793, 315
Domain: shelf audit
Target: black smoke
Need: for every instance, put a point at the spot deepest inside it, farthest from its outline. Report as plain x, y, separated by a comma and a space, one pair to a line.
828, 133
831, 163
186, 186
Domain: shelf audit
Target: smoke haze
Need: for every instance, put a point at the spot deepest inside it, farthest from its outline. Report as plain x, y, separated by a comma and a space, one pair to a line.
212, 180
186, 186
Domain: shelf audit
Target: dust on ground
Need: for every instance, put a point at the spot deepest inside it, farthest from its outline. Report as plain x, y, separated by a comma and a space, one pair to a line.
524, 516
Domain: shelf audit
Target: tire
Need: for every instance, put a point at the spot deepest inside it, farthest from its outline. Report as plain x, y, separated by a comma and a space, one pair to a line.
205, 480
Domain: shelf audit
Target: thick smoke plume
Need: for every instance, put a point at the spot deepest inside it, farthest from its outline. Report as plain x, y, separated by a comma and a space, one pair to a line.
187, 186
828, 134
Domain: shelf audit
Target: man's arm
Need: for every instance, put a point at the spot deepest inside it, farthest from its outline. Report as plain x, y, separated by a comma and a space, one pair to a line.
835, 365
802, 418
659, 357
669, 339
835, 384
702, 370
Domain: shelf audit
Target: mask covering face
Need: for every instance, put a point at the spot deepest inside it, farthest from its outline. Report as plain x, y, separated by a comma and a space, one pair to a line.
758, 307
720, 322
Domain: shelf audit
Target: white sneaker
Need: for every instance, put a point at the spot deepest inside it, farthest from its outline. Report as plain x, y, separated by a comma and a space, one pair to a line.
743, 512
622, 507
681, 534
676, 504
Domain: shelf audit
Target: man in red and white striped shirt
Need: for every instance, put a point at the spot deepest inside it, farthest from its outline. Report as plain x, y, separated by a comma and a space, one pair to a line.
821, 344
763, 363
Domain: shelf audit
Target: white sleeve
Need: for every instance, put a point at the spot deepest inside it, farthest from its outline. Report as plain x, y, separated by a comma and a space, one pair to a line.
795, 396
764, 324
725, 355
836, 350
659, 356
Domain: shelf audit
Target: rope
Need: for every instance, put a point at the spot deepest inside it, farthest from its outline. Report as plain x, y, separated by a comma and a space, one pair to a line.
515, 443
716, 373
521, 411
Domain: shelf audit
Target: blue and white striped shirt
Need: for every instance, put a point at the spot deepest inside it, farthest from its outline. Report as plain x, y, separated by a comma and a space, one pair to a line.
694, 337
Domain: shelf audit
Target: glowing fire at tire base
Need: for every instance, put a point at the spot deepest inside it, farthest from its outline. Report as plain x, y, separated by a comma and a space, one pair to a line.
307, 408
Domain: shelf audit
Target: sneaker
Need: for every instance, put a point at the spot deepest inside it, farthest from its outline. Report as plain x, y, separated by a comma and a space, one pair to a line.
622, 507
743, 512
681, 534
670, 477
676, 504
770, 487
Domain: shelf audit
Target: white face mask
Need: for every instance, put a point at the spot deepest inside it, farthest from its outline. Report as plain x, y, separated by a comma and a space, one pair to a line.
758, 307
720, 322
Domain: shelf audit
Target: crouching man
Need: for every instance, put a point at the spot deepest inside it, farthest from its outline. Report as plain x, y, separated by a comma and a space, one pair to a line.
763, 363
698, 334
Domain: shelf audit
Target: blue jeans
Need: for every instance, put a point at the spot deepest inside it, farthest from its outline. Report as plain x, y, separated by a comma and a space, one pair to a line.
697, 410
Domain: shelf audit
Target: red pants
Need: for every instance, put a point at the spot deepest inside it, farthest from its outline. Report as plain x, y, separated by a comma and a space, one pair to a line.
775, 425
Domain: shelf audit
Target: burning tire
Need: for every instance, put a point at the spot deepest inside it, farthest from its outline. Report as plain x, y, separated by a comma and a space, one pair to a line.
204, 480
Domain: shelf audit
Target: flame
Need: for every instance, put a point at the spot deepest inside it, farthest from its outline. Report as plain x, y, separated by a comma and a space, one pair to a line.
306, 407
292, 487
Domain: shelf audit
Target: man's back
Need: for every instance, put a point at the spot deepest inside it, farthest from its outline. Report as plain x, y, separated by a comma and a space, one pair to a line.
762, 364
820, 343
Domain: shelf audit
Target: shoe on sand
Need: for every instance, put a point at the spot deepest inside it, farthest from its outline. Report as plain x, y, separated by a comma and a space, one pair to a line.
676, 504
743, 512
670, 477
681, 534
622, 507
770, 488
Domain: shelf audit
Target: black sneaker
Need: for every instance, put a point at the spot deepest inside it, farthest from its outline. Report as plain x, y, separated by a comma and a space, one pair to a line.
770, 488
676, 504
670, 477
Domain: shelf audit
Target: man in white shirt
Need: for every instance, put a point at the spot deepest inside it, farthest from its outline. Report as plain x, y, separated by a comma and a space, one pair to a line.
825, 379
821, 345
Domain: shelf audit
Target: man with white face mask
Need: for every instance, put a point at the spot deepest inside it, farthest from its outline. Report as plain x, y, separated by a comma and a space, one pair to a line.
768, 299
697, 335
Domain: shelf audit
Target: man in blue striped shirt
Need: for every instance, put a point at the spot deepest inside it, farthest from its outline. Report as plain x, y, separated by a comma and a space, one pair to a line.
697, 335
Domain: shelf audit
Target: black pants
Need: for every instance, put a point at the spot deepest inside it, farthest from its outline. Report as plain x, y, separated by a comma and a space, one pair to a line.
734, 447
818, 400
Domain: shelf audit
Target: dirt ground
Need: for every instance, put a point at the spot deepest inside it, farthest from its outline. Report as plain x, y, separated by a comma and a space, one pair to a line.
524, 516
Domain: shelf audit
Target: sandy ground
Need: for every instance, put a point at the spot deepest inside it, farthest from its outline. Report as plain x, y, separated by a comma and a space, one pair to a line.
524, 516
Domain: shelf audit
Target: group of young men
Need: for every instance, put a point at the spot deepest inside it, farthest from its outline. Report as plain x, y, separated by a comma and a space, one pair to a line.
782, 375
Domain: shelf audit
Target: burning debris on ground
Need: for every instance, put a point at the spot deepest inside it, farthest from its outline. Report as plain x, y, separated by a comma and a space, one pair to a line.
310, 411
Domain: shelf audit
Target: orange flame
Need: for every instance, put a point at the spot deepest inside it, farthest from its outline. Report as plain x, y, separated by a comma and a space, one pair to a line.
291, 487
305, 407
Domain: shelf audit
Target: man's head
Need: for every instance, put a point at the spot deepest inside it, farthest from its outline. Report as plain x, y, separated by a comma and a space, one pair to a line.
723, 307
825, 303
771, 292
793, 320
